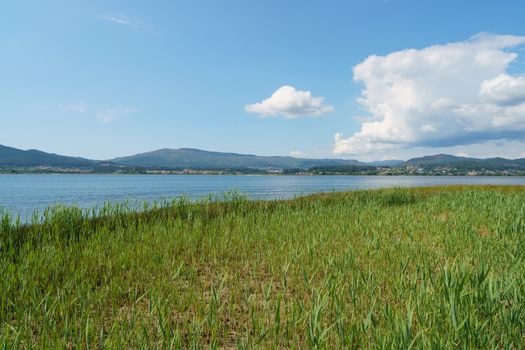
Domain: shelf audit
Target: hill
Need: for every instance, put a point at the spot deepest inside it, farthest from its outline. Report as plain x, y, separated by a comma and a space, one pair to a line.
199, 159
449, 161
13, 157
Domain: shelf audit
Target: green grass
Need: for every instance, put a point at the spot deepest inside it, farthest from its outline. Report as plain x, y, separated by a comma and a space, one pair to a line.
421, 268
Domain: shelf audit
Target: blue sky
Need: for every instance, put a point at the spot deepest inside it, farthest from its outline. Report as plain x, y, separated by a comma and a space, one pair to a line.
101, 79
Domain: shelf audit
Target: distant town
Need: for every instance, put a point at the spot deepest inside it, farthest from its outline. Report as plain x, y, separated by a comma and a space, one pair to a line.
349, 170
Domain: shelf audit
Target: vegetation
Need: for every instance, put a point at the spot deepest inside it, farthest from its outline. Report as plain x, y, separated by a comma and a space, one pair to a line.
194, 161
344, 170
466, 163
198, 160
398, 268
12, 157
459, 170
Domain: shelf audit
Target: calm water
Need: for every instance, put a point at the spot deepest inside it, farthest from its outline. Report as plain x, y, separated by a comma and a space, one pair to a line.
23, 194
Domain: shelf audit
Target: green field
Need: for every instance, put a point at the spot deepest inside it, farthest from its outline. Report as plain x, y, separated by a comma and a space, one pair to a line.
421, 268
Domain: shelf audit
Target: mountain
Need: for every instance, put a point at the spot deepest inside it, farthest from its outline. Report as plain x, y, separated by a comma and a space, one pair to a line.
435, 160
199, 159
12, 157
189, 158
449, 161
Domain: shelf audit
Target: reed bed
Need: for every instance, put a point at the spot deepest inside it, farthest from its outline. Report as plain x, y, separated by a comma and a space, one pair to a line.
427, 268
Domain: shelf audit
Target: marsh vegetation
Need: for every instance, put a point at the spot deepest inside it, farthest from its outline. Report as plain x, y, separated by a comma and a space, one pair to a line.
438, 267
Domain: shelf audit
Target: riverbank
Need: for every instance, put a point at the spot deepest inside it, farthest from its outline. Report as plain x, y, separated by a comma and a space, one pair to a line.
426, 267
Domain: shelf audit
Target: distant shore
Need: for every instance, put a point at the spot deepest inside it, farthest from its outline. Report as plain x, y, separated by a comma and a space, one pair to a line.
188, 172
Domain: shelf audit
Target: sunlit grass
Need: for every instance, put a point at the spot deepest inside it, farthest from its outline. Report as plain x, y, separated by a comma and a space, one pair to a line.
420, 268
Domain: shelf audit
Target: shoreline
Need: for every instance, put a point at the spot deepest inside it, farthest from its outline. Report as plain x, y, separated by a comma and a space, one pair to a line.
258, 174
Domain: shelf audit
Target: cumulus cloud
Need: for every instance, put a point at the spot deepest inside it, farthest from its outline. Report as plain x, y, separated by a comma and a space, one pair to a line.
504, 90
290, 103
440, 96
109, 115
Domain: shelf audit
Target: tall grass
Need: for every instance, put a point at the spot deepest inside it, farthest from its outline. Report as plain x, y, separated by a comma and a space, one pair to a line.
399, 268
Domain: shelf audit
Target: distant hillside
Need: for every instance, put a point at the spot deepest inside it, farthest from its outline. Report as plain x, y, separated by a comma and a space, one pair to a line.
12, 157
438, 159
199, 159
446, 160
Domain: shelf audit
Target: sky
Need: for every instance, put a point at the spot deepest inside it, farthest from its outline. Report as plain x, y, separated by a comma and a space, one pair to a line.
359, 79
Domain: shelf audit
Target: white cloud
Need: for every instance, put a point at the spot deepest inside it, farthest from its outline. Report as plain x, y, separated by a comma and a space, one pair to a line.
440, 96
290, 103
74, 108
109, 115
122, 20
428, 128
462, 154
297, 154
504, 90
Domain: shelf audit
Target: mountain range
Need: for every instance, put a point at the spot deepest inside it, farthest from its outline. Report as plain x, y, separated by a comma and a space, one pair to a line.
199, 159
188, 158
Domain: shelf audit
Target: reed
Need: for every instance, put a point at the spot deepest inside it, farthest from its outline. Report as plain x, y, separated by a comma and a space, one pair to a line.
439, 267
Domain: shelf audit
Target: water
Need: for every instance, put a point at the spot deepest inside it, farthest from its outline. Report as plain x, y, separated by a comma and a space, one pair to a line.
23, 194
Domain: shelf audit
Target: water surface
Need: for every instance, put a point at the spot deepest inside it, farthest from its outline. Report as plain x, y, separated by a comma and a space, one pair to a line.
23, 194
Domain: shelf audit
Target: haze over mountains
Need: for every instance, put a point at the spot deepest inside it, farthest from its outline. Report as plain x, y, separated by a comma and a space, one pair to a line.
188, 158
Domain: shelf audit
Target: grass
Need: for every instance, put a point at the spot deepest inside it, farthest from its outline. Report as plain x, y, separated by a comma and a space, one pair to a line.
437, 268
